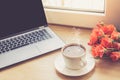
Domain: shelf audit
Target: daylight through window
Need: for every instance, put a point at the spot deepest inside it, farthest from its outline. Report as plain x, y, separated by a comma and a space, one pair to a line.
76, 5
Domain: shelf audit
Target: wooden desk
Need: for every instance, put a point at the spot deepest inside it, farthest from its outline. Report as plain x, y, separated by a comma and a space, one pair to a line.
42, 67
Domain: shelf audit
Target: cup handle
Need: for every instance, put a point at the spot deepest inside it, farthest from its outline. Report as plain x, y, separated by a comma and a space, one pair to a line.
83, 62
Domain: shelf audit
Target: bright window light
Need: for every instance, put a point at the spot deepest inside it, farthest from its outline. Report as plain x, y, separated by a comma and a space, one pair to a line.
76, 5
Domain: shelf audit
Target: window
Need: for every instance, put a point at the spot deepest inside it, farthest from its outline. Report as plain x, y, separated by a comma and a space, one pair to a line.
82, 13
75, 5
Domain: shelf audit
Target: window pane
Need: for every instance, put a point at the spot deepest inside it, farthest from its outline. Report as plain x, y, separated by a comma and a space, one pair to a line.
52, 3
77, 5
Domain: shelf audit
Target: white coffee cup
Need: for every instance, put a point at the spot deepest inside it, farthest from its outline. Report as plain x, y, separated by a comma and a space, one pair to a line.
74, 56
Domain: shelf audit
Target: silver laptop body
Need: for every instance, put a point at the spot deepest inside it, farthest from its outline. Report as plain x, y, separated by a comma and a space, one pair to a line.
37, 23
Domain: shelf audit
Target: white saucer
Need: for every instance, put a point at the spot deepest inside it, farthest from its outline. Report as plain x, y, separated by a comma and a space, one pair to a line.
60, 67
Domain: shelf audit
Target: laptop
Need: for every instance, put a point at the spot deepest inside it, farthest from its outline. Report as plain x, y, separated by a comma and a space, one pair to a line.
24, 32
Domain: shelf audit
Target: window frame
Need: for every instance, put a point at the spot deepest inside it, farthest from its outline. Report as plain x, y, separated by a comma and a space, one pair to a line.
86, 19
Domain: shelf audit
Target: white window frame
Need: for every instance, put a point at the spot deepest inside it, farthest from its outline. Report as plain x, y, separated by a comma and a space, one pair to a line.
86, 19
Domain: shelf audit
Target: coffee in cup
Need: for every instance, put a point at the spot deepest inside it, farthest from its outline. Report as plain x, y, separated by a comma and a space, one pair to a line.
74, 56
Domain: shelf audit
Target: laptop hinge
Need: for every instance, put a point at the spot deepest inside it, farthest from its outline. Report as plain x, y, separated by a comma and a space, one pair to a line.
41, 27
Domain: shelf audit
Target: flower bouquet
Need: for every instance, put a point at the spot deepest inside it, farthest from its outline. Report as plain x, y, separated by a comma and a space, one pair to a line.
105, 42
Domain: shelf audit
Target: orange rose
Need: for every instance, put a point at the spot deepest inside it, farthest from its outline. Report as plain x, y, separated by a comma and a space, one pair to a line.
98, 51
107, 42
116, 45
108, 29
115, 35
94, 52
95, 36
115, 56
99, 33
93, 40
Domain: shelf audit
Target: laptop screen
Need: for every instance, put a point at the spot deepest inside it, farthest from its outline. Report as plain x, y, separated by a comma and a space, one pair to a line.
20, 15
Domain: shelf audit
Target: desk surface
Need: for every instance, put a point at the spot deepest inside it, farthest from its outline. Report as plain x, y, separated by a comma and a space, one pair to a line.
42, 67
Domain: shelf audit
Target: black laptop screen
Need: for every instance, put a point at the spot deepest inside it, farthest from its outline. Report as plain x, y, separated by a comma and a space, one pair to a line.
20, 15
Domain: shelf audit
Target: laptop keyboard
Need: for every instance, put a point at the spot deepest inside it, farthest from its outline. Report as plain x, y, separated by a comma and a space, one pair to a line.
23, 40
